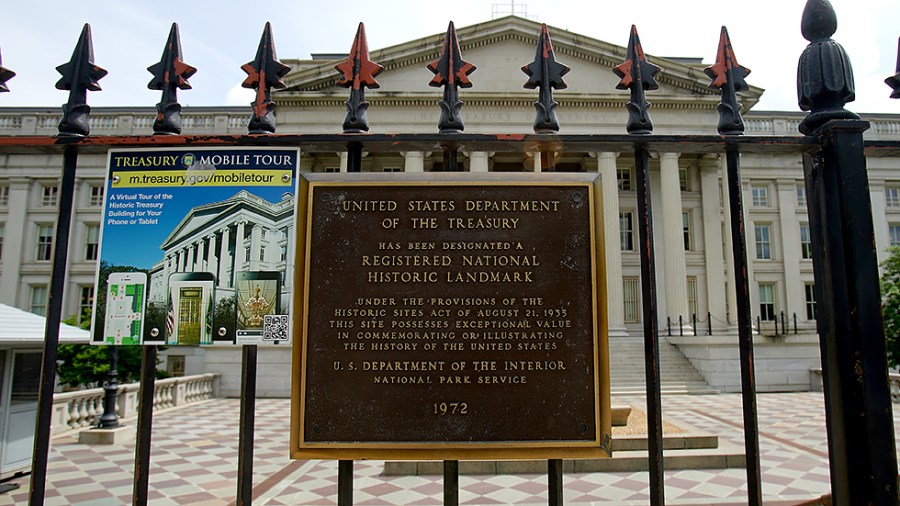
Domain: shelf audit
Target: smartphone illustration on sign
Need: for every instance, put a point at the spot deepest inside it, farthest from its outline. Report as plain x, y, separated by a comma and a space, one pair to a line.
125, 297
257, 295
189, 312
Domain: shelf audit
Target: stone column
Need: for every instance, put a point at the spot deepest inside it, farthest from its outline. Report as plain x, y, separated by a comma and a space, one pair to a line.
201, 255
239, 253
190, 264
255, 246
614, 291
730, 293
790, 249
414, 161
879, 220
750, 239
290, 261
181, 260
212, 264
712, 240
13, 241
479, 161
343, 156
225, 259
167, 268
673, 240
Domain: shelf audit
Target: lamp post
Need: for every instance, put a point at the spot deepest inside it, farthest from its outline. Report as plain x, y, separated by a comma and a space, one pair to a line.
109, 420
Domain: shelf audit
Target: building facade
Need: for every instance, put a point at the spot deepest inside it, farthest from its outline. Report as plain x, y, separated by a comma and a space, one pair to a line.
691, 221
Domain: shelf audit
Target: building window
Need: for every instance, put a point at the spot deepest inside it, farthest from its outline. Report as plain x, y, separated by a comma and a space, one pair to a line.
262, 254
692, 295
810, 291
175, 365
247, 255
44, 248
92, 242
85, 303
805, 242
4, 196
767, 301
392, 169
623, 178
39, 300
331, 170
630, 297
626, 231
892, 196
49, 195
683, 182
895, 234
1, 241
801, 196
686, 229
763, 244
759, 196
283, 252
96, 198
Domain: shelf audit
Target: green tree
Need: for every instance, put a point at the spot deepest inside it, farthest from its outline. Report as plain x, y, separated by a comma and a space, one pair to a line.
890, 305
87, 366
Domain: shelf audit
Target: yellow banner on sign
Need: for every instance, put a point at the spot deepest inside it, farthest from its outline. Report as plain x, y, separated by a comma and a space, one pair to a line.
218, 177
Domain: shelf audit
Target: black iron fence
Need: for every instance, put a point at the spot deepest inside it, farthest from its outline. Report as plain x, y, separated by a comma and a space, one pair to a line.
858, 402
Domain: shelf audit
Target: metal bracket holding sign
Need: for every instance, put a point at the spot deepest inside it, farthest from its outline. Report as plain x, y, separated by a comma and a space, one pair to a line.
197, 247
452, 319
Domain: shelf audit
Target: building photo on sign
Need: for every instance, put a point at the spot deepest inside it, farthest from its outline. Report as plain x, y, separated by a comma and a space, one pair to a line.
196, 247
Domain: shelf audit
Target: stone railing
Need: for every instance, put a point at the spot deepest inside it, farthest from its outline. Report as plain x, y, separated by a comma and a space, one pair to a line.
80, 409
786, 123
816, 381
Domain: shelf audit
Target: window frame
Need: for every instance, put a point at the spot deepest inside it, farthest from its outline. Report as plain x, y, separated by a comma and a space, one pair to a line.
767, 305
763, 245
626, 234
759, 195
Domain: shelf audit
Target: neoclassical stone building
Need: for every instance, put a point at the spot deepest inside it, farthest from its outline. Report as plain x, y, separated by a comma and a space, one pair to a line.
693, 251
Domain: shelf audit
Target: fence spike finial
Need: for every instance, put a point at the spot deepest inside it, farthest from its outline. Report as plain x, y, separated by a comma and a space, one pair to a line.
263, 74
728, 76
894, 80
638, 75
79, 76
170, 75
451, 72
357, 72
545, 73
824, 75
5, 75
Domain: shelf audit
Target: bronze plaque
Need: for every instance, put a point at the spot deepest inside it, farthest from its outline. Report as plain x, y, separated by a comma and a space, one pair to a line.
450, 316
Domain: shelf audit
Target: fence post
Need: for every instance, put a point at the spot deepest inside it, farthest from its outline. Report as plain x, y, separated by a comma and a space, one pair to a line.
860, 425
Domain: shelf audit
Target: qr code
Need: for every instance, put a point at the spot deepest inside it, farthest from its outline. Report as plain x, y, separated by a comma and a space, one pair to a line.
276, 327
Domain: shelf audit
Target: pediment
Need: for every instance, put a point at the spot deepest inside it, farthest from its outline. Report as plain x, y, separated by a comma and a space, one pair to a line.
499, 48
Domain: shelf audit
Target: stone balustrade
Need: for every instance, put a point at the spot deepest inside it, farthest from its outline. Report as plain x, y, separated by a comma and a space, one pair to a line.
80, 409
815, 377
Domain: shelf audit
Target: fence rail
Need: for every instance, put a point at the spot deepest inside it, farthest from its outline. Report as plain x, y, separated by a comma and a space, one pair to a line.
77, 410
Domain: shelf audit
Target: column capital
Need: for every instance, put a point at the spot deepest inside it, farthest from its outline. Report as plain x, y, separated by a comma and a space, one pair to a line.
669, 156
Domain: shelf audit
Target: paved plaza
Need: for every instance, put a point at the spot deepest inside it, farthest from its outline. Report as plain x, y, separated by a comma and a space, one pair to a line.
194, 461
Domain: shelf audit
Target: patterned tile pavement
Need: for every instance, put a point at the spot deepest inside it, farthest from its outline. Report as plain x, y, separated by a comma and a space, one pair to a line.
194, 461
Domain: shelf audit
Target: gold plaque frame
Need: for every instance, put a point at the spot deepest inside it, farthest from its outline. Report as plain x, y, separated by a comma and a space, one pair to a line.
599, 446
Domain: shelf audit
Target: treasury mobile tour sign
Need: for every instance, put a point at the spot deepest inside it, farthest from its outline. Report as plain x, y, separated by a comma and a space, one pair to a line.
196, 247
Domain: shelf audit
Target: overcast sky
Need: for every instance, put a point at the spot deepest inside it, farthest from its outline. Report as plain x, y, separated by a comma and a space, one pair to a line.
219, 36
